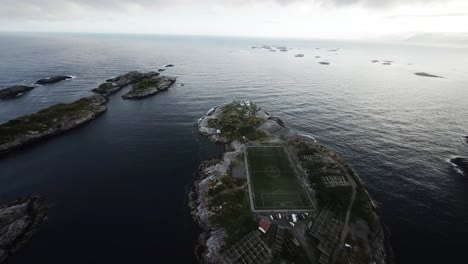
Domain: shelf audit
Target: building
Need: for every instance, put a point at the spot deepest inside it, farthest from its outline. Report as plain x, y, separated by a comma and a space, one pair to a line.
264, 225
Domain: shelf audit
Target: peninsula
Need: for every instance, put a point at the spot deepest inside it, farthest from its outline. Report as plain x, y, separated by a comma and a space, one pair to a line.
275, 196
18, 221
49, 121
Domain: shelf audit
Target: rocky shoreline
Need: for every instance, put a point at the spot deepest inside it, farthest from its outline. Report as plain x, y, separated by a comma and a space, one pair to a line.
50, 121
18, 221
212, 240
149, 87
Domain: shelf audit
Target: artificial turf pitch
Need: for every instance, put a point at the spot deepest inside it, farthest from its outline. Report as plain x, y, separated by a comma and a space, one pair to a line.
274, 182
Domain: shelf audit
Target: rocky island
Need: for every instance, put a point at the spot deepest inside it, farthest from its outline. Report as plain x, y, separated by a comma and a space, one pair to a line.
18, 221
461, 164
53, 79
60, 118
49, 121
14, 91
275, 196
149, 87
424, 74
115, 84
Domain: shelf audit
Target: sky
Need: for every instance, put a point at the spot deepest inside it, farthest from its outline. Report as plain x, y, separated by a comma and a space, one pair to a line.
332, 19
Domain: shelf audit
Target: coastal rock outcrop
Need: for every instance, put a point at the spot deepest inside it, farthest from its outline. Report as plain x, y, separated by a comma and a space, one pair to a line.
461, 164
14, 91
18, 221
49, 121
115, 84
149, 87
53, 79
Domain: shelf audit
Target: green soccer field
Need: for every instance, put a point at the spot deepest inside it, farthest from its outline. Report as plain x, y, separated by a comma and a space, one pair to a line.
274, 182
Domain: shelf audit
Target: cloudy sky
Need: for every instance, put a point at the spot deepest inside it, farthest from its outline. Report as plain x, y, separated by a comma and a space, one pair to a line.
355, 19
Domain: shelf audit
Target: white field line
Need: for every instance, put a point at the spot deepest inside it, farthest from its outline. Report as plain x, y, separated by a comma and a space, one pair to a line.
249, 182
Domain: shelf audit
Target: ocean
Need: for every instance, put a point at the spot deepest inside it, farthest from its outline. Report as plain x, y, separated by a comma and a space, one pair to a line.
118, 185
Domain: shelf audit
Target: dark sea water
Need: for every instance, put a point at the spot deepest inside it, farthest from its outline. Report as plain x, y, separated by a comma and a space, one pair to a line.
118, 185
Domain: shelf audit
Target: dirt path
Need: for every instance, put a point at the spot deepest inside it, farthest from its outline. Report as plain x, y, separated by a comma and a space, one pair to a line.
348, 213
309, 248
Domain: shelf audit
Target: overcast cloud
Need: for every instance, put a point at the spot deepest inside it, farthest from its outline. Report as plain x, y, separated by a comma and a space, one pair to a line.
68, 9
292, 18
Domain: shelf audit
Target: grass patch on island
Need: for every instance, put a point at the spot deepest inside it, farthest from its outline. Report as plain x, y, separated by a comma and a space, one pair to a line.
145, 84
237, 122
105, 86
43, 120
229, 200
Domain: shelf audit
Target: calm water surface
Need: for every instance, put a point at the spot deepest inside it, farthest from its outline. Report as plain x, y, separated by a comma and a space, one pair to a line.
118, 184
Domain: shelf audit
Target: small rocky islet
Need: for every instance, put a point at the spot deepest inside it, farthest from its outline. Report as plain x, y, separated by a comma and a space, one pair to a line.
53, 79
60, 118
113, 85
17, 90
14, 91
149, 87
18, 222
425, 74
